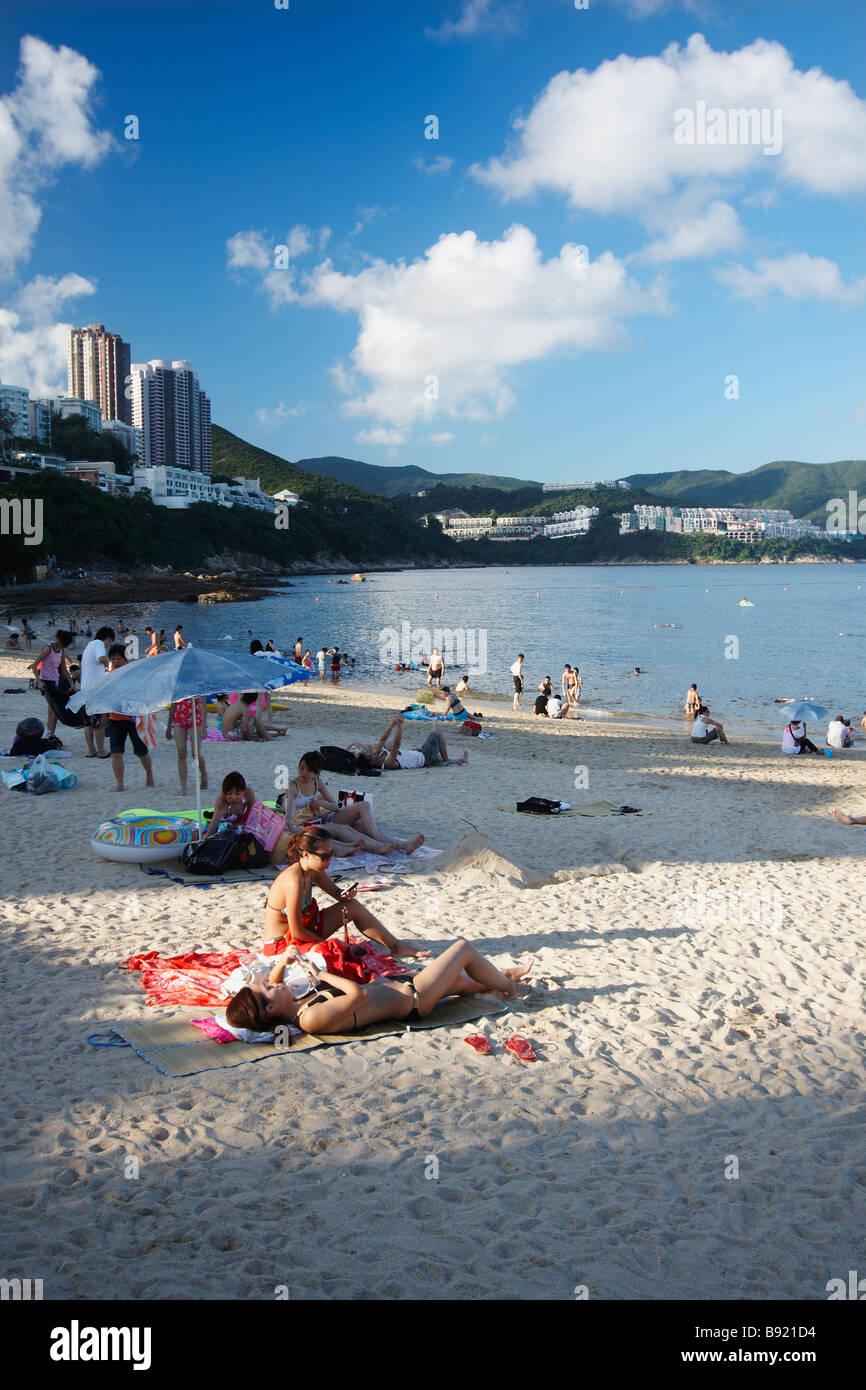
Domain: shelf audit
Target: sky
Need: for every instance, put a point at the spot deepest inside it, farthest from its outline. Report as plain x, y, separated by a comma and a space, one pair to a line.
502, 236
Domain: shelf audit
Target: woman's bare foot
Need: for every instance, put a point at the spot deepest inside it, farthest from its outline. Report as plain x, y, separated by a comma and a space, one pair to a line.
846, 820
517, 973
411, 845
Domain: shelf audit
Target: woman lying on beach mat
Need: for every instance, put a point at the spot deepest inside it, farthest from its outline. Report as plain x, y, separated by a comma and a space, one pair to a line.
292, 915
340, 1006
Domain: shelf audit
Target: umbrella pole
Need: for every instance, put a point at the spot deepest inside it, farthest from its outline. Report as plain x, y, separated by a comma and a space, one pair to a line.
197, 767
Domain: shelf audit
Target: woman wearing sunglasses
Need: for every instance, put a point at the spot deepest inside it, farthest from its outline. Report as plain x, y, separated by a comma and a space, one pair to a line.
292, 915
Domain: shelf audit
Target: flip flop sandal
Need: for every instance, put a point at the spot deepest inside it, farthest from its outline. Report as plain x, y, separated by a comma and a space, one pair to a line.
521, 1048
480, 1044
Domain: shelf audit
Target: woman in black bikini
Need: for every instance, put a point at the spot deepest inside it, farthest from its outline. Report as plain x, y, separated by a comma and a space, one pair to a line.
340, 1006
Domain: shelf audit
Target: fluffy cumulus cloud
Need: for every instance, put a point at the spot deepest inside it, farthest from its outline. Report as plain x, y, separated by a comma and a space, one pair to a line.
32, 344
46, 124
279, 414
794, 277
442, 335
440, 165
478, 17
441, 439
629, 135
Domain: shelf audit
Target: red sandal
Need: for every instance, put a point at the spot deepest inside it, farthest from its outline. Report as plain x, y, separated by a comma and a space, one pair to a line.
521, 1048
480, 1044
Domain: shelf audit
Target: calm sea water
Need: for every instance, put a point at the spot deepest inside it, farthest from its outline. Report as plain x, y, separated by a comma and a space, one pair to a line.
804, 637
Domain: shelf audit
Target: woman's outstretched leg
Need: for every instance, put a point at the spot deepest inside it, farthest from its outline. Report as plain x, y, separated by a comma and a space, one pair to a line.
442, 975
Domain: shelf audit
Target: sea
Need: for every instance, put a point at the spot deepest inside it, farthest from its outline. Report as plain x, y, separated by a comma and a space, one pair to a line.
803, 635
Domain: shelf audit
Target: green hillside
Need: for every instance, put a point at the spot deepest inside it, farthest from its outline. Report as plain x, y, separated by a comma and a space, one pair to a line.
803, 488
388, 481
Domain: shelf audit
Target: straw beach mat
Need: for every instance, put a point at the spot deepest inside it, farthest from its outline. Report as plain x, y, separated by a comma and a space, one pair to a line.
176, 1049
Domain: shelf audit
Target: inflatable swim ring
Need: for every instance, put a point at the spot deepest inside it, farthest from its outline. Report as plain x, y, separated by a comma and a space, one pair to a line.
137, 839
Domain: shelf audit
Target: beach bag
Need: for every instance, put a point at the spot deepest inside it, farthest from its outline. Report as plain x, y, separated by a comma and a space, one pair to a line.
348, 798
540, 806
213, 855
249, 853
339, 760
266, 824
45, 776
471, 727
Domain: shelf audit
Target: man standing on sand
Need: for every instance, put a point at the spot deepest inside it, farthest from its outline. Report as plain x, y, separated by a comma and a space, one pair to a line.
517, 673
121, 727
94, 666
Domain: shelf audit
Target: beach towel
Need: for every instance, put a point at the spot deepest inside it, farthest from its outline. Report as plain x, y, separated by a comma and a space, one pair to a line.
148, 730
395, 862
196, 977
175, 1049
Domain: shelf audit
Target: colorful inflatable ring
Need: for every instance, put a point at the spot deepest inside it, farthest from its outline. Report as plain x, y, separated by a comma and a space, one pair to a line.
142, 839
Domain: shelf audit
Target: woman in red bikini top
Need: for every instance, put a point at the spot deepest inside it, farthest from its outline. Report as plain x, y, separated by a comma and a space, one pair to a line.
292, 915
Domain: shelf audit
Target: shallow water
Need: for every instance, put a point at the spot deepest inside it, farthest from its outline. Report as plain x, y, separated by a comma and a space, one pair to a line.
804, 637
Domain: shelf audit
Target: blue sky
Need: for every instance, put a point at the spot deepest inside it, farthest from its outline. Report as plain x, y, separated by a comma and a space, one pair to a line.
436, 307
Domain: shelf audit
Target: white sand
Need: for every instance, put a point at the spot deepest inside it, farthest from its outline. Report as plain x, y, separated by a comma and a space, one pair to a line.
681, 1022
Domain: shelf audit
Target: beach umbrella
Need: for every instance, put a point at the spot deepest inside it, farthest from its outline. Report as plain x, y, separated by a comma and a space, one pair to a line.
148, 685
804, 709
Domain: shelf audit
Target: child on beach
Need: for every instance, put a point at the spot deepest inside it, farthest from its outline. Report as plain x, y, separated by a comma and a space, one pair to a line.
180, 717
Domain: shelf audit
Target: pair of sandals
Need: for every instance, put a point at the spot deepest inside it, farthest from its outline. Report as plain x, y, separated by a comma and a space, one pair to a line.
518, 1045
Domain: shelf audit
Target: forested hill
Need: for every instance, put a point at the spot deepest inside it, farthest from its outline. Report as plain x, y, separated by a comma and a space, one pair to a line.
390, 481
802, 488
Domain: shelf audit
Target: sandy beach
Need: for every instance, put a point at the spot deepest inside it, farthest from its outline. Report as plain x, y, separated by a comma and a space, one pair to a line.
692, 1128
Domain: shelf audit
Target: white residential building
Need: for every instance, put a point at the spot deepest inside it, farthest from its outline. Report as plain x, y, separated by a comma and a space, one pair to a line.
98, 368
573, 487
576, 522
16, 399
748, 524
178, 488
287, 497
129, 435
67, 406
173, 414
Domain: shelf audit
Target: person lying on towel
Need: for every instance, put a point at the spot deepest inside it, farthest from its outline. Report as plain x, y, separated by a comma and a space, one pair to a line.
340, 1006
292, 915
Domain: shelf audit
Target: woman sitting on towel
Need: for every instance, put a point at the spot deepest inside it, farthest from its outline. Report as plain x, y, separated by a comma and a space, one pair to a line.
308, 802
292, 914
340, 1006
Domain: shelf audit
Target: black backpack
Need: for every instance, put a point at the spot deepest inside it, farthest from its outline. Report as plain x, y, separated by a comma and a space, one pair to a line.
339, 760
213, 855
540, 806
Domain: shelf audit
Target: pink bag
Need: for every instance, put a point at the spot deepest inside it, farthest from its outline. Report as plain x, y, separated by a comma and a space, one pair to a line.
266, 824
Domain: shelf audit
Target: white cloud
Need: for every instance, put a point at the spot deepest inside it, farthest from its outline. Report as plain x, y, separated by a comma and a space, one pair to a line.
440, 440
32, 348
440, 165
279, 414
644, 9
714, 228
442, 334
43, 297
249, 251
605, 138
368, 215
798, 276
45, 124
477, 17
378, 435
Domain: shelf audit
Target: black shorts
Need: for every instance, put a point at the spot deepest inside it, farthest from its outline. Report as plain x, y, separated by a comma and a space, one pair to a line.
118, 729
518, 684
